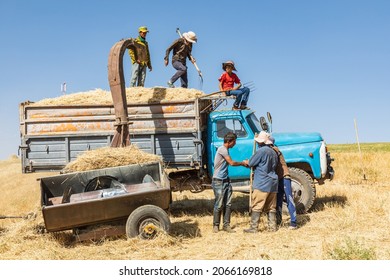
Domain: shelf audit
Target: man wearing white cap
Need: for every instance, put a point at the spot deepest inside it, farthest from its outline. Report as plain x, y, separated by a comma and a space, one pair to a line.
265, 183
182, 49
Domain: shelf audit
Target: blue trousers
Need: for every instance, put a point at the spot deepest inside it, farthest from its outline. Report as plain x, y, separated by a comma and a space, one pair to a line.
285, 190
180, 73
241, 94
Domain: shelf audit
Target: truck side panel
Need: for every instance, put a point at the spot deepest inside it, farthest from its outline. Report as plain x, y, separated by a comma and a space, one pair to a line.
174, 148
52, 136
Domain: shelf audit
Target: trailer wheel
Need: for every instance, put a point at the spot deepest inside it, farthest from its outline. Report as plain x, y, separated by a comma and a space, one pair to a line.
303, 190
100, 183
147, 221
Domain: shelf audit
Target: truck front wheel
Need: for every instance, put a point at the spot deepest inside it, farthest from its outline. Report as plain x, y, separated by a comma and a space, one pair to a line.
147, 221
303, 190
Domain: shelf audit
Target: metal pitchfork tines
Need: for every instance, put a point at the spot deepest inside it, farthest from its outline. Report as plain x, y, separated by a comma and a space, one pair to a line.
250, 85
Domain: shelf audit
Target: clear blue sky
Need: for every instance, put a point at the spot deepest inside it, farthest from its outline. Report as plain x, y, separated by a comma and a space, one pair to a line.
317, 65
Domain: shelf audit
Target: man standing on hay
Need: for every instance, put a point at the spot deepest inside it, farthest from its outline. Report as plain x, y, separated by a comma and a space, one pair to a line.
182, 49
140, 58
265, 183
221, 183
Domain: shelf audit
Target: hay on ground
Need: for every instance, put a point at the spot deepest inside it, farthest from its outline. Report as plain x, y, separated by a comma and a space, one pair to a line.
110, 157
133, 95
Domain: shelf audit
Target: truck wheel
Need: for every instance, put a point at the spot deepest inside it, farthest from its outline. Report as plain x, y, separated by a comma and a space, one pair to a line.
303, 190
147, 221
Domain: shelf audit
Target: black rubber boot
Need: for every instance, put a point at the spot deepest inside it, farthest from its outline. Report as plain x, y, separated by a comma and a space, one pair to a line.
279, 218
255, 218
216, 221
226, 220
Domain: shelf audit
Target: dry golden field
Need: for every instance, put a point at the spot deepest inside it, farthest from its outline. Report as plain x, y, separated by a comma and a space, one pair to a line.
350, 220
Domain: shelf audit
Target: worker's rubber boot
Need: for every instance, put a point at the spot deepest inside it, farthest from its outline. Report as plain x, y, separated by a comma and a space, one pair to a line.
255, 218
272, 221
279, 218
226, 220
216, 221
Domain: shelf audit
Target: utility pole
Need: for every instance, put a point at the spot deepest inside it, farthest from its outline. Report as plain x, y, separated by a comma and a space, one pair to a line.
360, 151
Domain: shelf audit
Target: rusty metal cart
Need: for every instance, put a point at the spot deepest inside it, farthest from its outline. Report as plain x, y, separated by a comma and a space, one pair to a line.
130, 200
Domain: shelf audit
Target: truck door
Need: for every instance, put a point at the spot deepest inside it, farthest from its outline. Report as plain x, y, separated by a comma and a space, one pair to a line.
242, 150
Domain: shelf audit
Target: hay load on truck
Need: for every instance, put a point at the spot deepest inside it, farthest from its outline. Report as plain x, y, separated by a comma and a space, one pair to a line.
185, 132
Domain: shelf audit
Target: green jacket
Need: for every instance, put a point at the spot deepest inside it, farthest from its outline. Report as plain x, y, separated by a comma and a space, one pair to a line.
140, 52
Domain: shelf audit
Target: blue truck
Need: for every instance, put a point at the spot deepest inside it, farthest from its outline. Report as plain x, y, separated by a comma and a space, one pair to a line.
185, 133
305, 153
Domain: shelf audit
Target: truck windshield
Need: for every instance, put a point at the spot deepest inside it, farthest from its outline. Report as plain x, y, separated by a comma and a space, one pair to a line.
230, 125
253, 123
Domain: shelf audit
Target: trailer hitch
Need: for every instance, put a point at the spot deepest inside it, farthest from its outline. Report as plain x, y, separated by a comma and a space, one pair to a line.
29, 216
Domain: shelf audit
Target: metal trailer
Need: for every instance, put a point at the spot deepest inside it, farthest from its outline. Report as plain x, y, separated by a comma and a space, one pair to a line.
130, 200
52, 136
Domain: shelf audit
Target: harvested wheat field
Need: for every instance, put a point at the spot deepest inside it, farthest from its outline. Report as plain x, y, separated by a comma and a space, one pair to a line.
350, 220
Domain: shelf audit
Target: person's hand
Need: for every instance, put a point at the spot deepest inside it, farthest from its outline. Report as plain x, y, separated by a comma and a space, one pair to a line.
166, 62
245, 162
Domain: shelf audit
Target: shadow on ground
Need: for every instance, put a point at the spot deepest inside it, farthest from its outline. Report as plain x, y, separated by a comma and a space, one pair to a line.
202, 207
328, 201
190, 208
187, 229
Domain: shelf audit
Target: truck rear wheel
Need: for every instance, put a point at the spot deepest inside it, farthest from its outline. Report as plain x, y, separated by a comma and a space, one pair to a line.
303, 190
147, 221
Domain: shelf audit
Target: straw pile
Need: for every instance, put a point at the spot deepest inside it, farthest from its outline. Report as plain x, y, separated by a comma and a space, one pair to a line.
133, 95
110, 157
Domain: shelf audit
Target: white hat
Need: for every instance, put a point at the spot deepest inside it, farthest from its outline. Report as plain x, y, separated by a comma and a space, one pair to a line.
263, 137
229, 62
190, 37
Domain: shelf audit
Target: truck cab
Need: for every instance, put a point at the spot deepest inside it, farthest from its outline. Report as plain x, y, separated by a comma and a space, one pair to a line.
305, 153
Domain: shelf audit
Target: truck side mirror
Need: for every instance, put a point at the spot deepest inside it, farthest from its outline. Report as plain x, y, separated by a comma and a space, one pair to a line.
264, 124
269, 117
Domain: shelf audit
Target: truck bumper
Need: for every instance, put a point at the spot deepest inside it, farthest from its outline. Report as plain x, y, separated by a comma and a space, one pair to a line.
330, 170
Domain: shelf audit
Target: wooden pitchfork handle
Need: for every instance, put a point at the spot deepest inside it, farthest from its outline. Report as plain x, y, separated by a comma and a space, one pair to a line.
192, 59
251, 177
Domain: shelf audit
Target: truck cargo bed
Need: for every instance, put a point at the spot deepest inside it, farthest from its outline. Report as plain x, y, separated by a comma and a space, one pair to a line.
52, 136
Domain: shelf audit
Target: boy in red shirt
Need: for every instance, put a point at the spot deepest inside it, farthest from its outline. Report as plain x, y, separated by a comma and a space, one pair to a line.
226, 83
